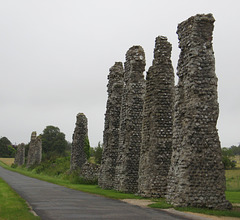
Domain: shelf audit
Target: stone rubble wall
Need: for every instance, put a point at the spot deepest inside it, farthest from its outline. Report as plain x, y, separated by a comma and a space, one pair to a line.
156, 148
78, 155
20, 155
89, 171
35, 150
131, 121
111, 129
196, 176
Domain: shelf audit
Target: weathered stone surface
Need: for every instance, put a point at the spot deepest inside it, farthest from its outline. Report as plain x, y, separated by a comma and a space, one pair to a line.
131, 121
196, 176
111, 129
20, 155
35, 150
78, 155
90, 171
156, 148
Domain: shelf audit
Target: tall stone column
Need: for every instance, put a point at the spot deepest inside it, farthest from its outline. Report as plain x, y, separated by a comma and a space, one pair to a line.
156, 148
126, 174
20, 155
196, 176
35, 150
78, 155
111, 129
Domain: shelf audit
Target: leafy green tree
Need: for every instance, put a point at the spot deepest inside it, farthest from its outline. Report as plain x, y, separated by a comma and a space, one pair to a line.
92, 151
98, 153
6, 148
235, 150
53, 142
87, 147
226, 158
11, 151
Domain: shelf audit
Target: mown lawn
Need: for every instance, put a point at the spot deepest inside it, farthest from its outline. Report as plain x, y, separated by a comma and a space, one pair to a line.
12, 206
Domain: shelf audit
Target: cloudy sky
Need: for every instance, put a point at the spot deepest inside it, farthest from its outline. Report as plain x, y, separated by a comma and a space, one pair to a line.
55, 56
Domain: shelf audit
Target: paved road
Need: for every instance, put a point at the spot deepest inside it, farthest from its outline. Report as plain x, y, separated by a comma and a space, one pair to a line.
51, 201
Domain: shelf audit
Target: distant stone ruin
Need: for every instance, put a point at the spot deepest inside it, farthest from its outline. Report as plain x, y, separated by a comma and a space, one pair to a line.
196, 176
126, 174
78, 155
20, 155
156, 148
35, 150
111, 129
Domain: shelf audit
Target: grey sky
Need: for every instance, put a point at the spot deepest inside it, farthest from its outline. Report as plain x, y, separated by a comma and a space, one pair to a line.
55, 56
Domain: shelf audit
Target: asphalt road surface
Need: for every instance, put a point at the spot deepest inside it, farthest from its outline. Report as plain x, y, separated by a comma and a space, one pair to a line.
51, 201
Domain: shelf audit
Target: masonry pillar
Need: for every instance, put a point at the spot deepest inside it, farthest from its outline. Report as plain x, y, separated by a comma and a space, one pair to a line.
126, 174
156, 148
196, 176
111, 129
35, 150
78, 155
20, 155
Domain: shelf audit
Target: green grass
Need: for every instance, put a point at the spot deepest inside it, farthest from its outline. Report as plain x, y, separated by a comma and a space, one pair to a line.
230, 213
162, 204
233, 180
233, 197
12, 206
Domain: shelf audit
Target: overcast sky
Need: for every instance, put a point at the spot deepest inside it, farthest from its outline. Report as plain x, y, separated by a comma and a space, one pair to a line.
55, 56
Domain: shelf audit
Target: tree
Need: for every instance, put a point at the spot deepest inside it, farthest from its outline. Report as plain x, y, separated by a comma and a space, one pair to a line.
98, 153
226, 158
53, 142
235, 150
87, 147
6, 148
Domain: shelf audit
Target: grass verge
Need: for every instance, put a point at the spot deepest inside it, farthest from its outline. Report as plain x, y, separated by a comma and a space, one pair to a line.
12, 206
235, 212
93, 189
233, 179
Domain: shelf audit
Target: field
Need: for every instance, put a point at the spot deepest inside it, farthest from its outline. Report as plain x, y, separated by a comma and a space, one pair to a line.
7, 161
237, 159
233, 179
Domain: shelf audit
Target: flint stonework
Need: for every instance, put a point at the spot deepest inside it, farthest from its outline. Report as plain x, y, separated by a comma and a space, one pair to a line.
196, 176
111, 128
78, 155
35, 150
20, 155
126, 174
156, 148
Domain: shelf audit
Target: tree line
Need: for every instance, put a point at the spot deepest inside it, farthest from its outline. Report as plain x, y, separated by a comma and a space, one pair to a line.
228, 154
54, 145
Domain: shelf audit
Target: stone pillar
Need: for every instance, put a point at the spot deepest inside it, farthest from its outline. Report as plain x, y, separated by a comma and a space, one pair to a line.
111, 129
156, 148
20, 155
196, 176
126, 176
78, 155
35, 150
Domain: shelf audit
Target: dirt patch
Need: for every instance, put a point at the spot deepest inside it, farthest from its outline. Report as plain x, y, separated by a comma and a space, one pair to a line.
140, 202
